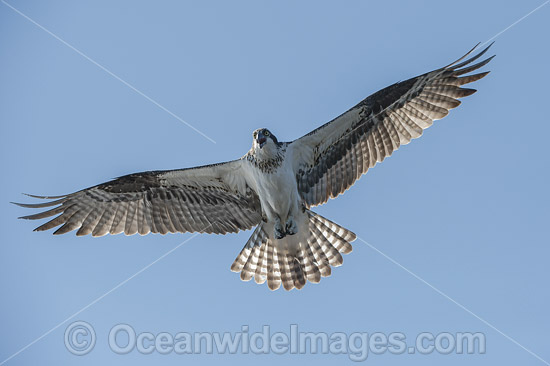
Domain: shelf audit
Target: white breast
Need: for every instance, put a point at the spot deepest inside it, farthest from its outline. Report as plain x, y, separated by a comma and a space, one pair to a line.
277, 190
279, 197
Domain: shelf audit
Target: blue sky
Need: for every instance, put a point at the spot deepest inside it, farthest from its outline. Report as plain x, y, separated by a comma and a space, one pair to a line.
465, 207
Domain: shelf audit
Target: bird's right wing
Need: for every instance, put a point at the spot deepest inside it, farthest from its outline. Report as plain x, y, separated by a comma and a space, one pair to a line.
212, 199
328, 160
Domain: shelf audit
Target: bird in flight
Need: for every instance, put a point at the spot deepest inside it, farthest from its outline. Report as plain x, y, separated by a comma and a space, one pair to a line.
273, 187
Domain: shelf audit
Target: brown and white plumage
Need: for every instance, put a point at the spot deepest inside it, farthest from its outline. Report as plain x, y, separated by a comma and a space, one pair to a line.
273, 186
331, 158
209, 199
260, 258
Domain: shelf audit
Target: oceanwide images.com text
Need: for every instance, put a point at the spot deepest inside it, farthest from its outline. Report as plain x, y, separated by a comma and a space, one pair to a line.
80, 339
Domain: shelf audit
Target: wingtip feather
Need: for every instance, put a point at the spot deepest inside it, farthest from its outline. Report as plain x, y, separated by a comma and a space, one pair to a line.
458, 64
44, 197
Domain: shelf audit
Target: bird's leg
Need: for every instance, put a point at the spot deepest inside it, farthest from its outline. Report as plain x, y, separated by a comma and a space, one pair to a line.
278, 231
290, 226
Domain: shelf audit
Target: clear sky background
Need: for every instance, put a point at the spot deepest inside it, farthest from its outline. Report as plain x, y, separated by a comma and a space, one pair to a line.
465, 207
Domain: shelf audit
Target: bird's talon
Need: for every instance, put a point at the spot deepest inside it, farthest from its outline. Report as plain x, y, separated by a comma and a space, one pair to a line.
278, 231
291, 227
279, 234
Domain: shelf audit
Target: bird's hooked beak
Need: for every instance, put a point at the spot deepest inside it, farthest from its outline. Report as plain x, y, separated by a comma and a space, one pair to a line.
261, 139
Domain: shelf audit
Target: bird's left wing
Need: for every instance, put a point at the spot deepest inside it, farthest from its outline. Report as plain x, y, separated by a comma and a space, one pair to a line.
211, 199
328, 160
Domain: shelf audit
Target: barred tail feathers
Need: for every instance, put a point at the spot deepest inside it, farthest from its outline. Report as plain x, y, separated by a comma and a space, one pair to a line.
322, 249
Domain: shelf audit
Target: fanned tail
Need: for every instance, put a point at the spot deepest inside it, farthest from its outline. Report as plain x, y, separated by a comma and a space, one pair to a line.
314, 258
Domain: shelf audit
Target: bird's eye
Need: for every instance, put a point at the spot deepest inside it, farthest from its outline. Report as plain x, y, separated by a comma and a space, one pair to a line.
266, 133
255, 134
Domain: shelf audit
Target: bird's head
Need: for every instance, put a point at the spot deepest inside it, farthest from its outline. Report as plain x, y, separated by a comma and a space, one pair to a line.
264, 142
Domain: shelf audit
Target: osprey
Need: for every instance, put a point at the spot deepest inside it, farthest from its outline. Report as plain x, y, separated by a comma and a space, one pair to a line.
273, 186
